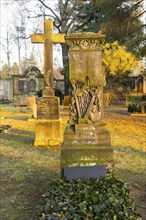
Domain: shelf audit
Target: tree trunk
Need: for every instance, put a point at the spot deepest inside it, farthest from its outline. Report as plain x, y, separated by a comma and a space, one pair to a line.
66, 68
8, 52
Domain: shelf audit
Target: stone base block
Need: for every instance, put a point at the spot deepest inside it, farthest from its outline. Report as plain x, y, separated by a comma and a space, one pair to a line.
86, 155
86, 145
48, 132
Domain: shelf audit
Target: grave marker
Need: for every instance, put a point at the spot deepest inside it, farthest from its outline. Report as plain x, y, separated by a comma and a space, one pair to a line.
86, 140
48, 106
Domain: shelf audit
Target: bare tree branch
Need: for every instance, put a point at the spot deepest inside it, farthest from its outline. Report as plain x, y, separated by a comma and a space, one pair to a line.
135, 5
40, 15
3, 47
50, 9
139, 15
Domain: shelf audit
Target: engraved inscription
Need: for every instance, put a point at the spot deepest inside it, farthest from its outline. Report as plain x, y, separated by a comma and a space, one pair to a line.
87, 136
48, 108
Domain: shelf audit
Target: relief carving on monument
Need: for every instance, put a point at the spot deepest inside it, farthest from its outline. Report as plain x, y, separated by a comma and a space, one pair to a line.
48, 79
85, 100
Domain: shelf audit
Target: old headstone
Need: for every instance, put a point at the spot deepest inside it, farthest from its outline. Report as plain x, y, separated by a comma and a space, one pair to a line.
143, 107
66, 101
86, 140
31, 101
6, 89
34, 110
23, 101
48, 124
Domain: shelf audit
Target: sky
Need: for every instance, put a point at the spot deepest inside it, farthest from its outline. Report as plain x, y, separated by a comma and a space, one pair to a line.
9, 19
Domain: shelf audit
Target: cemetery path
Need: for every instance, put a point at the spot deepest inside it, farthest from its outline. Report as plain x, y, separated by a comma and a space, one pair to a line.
26, 171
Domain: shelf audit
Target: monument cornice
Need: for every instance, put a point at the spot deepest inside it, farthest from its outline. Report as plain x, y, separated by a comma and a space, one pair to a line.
84, 41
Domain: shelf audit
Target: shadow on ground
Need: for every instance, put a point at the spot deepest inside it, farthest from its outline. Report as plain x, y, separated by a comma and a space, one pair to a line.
21, 194
16, 136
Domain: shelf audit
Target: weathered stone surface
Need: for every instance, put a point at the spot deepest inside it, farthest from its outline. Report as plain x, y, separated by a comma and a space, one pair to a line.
31, 101
48, 92
88, 145
48, 108
6, 89
143, 107
48, 132
34, 110
86, 140
85, 57
23, 101
86, 76
66, 100
48, 38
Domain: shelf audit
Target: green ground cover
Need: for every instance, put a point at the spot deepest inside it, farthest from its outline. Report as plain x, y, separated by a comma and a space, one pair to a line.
26, 171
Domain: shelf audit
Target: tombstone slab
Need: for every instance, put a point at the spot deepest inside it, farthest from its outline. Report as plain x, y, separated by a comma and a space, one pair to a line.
143, 107
34, 110
31, 101
86, 139
48, 108
23, 101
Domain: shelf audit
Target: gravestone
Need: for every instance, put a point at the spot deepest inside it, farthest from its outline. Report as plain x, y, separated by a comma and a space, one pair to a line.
86, 140
48, 108
6, 89
143, 107
48, 126
66, 101
31, 101
23, 101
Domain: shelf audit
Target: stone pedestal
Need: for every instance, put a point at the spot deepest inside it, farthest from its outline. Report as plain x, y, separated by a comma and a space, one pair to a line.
48, 92
86, 145
48, 125
48, 132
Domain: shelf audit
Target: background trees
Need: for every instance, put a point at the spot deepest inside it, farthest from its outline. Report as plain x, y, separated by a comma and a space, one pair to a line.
118, 63
120, 20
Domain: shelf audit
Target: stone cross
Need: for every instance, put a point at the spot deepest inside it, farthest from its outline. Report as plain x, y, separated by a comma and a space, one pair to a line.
48, 38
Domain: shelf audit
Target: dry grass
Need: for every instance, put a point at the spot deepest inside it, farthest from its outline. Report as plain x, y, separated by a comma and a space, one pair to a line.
26, 171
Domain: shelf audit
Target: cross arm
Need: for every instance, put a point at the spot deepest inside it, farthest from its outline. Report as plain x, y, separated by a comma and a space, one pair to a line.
58, 38
37, 38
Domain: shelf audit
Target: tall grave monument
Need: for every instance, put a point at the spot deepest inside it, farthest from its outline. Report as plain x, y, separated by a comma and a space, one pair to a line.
48, 127
86, 150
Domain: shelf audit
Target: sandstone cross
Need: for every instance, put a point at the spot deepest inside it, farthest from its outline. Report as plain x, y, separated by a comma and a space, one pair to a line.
48, 38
